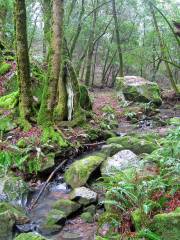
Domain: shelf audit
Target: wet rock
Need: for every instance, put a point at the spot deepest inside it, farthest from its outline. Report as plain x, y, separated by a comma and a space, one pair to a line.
30, 236
67, 206
70, 236
87, 217
53, 222
134, 144
83, 195
91, 209
80, 171
15, 189
48, 162
6, 225
138, 89
16, 213
120, 161
111, 149
167, 225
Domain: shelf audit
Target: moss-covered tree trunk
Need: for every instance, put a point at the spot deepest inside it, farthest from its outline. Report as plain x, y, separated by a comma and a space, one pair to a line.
47, 26
3, 15
49, 97
25, 98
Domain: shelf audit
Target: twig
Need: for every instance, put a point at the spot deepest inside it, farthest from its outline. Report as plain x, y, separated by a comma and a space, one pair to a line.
94, 144
46, 183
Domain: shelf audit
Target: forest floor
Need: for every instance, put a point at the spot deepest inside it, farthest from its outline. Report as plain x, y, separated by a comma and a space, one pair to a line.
110, 118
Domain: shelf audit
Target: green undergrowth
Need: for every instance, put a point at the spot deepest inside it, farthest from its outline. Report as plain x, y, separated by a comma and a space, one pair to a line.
137, 197
4, 68
9, 101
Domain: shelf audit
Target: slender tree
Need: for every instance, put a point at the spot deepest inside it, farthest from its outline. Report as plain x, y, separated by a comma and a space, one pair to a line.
120, 55
50, 89
25, 98
163, 49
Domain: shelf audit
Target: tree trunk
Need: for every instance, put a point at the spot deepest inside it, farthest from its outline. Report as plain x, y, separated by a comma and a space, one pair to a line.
3, 15
23, 69
163, 50
51, 84
47, 27
90, 49
120, 55
78, 29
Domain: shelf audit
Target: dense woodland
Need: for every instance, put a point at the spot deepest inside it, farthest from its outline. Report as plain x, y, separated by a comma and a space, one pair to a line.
89, 119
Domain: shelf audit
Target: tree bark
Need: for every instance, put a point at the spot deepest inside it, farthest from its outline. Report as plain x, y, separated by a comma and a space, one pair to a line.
120, 55
47, 26
3, 15
90, 49
51, 84
23, 69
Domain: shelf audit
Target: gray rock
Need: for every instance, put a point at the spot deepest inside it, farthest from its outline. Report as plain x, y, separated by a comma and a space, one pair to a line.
120, 161
15, 189
83, 195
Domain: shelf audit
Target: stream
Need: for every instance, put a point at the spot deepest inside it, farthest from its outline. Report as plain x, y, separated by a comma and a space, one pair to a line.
75, 228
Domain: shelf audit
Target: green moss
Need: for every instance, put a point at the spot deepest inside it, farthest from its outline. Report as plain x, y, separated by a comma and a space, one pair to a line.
16, 212
9, 101
21, 143
66, 206
85, 101
145, 92
51, 136
87, 217
55, 216
80, 171
134, 144
167, 225
30, 236
6, 124
174, 121
4, 68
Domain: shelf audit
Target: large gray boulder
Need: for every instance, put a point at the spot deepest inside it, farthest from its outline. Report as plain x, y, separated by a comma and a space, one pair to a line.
138, 89
83, 195
120, 161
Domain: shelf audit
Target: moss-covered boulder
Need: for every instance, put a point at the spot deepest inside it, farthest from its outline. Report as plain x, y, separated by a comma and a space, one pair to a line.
7, 124
134, 144
53, 222
17, 213
167, 225
9, 101
15, 189
83, 195
85, 100
30, 236
6, 225
87, 217
139, 90
67, 206
111, 149
80, 171
4, 68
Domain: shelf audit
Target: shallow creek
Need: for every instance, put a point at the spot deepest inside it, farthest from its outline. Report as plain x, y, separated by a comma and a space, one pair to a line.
75, 228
